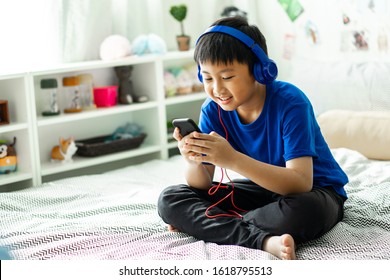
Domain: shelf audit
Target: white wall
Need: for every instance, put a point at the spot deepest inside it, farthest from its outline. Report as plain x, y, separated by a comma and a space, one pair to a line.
333, 72
326, 16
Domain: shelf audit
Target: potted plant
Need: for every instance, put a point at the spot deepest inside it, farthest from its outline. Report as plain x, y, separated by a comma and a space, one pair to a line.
179, 12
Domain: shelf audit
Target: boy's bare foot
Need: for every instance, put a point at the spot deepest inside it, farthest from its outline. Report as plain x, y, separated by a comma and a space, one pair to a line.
282, 246
171, 228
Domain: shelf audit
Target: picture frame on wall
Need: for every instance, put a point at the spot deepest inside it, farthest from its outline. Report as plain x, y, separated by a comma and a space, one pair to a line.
4, 114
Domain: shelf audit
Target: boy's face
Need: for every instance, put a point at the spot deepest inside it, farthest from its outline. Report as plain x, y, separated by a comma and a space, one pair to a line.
232, 86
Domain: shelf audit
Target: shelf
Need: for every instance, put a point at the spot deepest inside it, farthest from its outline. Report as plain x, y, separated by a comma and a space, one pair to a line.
185, 98
13, 127
37, 135
99, 112
49, 168
13, 177
95, 64
178, 55
10, 76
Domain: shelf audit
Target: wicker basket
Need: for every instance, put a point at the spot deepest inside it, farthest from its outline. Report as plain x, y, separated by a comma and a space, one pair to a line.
97, 146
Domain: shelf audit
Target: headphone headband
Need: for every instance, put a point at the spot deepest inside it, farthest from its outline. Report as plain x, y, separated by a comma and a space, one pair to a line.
229, 31
264, 73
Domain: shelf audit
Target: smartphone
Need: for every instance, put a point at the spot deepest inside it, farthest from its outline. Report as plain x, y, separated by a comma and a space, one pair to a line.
186, 126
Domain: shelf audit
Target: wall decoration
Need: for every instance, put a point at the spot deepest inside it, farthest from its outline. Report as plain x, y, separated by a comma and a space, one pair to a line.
312, 32
293, 8
289, 46
383, 41
366, 26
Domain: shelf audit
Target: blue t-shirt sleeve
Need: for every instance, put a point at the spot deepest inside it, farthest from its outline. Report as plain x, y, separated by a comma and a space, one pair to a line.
299, 131
206, 120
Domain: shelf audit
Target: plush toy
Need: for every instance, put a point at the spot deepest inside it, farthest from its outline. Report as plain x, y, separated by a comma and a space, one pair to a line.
115, 47
169, 84
192, 70
3, 151
126, 93
178, 79
8, 160
127, 131
64, 151
184, 82
148, 44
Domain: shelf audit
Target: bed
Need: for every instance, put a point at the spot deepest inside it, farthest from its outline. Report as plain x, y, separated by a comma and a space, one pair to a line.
113, 216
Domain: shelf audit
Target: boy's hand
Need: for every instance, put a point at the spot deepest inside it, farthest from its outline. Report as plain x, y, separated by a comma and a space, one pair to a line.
211, 148
185, 151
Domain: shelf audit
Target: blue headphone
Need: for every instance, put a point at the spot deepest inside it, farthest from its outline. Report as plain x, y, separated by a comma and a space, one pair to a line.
265, 71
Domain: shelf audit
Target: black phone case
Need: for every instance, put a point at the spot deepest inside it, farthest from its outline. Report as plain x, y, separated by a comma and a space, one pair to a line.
186, 126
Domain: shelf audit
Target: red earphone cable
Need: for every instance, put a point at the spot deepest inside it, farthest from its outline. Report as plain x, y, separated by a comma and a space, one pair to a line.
223, 125
215, 188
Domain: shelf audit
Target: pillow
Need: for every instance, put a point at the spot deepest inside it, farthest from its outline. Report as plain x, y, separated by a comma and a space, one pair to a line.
367, 132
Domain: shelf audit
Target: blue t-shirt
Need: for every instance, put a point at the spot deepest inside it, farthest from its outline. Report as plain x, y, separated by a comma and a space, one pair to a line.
286, 129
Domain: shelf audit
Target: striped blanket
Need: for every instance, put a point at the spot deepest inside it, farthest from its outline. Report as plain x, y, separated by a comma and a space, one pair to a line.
113, 216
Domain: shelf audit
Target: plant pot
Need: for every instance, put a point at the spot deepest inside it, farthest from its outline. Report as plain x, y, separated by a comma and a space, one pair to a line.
183, 42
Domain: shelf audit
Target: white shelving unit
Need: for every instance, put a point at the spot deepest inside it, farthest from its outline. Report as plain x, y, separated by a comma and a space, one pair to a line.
36, 135
14, 89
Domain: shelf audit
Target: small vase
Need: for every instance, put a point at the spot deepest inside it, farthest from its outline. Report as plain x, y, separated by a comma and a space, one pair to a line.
183, 42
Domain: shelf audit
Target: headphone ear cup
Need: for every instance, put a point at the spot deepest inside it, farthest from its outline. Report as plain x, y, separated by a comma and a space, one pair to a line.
258, 73
200, 77
266, 73
270, 71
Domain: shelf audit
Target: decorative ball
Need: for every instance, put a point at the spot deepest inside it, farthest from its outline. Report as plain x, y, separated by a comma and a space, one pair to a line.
152, 43
157, 44
140, 45
115, 47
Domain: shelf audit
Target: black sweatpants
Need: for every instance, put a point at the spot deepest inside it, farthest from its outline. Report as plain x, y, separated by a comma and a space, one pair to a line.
305, 216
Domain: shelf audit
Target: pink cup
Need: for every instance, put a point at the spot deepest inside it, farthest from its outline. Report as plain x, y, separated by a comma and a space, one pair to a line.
105, 96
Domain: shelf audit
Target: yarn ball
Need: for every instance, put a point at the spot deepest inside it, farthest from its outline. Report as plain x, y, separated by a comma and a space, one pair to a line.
140, 45
115, 47
156, 44
151, 43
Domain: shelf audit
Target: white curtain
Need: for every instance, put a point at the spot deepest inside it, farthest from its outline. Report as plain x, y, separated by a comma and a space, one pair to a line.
28, 31
38, 33
84, 24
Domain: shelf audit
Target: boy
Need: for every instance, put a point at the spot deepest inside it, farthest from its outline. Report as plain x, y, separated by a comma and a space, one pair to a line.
266, 131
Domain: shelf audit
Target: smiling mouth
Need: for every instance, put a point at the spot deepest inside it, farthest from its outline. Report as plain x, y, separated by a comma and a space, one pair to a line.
224, 99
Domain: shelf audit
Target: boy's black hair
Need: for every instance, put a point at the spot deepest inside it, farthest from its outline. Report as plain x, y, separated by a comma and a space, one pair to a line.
218, 48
